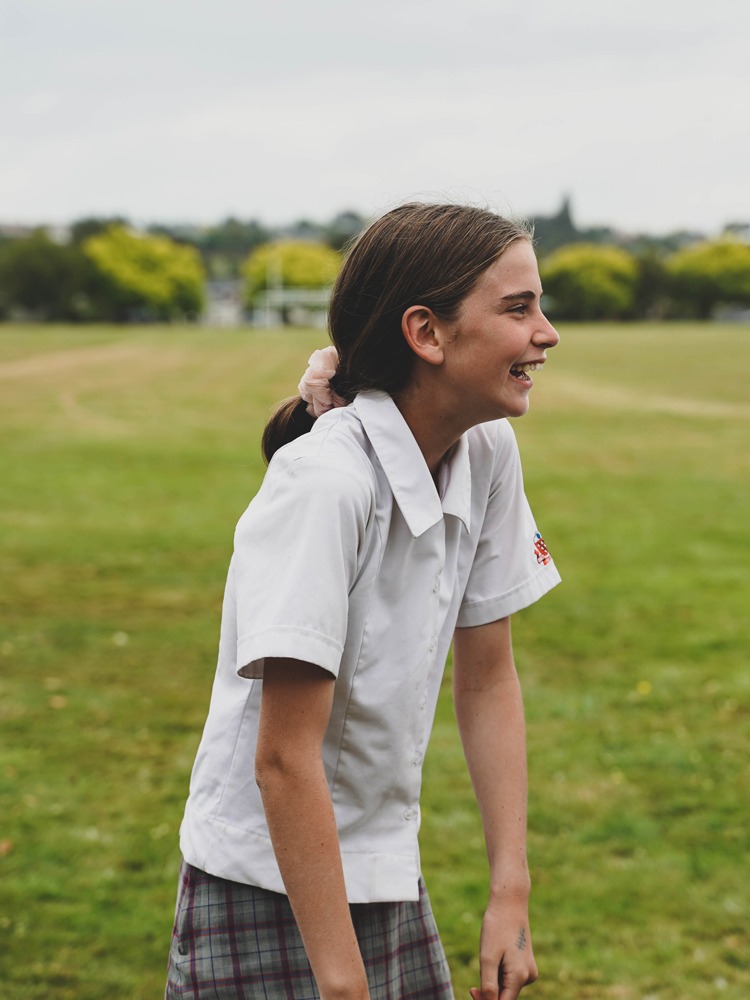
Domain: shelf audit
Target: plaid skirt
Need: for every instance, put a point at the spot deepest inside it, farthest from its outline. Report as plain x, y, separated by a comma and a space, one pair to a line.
238, 942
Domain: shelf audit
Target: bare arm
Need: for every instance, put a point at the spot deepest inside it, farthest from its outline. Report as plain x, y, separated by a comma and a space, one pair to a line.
295, 709
489, 709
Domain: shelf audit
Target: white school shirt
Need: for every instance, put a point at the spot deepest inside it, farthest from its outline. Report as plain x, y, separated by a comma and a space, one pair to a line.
349, 558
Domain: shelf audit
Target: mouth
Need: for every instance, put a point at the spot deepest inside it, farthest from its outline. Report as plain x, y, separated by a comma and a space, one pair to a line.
520, 372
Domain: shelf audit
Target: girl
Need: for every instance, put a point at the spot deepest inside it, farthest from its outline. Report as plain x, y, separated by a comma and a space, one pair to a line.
397, 524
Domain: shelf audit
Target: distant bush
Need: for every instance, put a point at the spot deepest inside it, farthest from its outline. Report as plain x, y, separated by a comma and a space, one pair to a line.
291, 264
588, 281
116, 275
709, 274
44, 280
144, 277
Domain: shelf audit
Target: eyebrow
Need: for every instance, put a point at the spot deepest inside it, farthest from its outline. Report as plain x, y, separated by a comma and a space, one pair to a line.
518, 295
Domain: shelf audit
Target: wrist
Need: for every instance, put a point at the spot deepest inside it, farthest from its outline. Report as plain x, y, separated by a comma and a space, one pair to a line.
510, 884
350, 991
345, 980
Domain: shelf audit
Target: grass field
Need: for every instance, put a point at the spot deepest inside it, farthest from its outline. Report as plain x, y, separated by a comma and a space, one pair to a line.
126, 456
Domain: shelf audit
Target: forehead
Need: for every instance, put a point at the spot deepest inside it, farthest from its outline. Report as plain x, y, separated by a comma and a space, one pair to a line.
515, 271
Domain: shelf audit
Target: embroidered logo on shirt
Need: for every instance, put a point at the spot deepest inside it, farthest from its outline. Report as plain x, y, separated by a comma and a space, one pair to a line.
541, 550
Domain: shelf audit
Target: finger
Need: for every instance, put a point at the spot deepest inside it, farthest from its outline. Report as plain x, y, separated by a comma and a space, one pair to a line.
487, 993
489, 990
512, 985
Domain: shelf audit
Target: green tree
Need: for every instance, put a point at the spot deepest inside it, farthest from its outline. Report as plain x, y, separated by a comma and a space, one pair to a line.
291, 264
585, 281
92, 225
223, 247
44, 280
342, 228
145, 277
708, 274
652, 284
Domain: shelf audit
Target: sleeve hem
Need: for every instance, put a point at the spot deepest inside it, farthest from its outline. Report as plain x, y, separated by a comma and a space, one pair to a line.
494, 608
291, 643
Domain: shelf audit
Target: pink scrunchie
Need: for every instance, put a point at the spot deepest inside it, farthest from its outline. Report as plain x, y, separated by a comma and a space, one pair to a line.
314, 387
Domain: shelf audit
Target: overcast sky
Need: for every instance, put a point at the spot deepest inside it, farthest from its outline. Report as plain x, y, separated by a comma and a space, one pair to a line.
175, 110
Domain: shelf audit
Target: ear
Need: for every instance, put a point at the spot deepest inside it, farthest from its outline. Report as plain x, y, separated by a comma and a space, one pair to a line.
420, 329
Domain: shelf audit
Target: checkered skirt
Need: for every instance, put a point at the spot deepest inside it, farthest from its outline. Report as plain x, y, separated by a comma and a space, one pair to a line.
238, 942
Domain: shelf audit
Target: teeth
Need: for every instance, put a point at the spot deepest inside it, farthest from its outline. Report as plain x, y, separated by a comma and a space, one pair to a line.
527, 367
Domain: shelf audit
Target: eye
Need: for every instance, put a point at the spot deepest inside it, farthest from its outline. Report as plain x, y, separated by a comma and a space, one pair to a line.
520, 308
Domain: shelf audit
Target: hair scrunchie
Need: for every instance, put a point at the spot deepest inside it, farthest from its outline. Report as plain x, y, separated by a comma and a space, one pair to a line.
314, 386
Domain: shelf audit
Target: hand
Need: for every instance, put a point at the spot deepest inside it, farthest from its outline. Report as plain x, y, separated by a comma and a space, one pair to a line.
506, 957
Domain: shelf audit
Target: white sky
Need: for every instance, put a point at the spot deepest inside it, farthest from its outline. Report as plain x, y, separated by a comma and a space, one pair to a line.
175, 110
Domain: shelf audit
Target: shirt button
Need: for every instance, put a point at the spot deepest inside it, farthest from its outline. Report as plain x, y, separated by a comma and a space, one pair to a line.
417, 758
433, 644
410, 814
436, 585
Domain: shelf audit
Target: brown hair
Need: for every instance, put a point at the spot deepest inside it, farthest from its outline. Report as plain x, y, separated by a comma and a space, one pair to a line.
431, 255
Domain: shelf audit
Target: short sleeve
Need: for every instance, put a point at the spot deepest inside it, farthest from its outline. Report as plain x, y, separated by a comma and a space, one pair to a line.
295, 561
512, 567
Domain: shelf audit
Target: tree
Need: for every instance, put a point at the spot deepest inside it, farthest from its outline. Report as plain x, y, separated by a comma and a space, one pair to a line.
291, 264
82, 229
554, 231
343, 228
44, 280
145, 277
651, 287
586, 281
224, 246
711, 273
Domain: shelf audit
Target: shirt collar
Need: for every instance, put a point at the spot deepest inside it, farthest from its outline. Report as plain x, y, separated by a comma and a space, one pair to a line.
405, 467
457, 495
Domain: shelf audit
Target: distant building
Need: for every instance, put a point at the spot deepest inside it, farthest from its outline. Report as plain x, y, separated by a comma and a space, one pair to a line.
11, 232
291, 307
224, 304
738, 231
58, 234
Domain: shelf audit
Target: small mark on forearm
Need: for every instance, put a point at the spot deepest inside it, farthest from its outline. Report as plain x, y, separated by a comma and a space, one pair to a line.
521, 942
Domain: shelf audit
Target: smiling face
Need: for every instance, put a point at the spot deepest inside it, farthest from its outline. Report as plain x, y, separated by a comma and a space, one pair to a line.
499, 336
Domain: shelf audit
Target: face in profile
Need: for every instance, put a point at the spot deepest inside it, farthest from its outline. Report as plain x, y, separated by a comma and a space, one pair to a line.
500, 337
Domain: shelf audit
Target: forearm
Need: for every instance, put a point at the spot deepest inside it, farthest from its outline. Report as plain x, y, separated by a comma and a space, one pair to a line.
289, 770
303, 832
493, 735
489, 710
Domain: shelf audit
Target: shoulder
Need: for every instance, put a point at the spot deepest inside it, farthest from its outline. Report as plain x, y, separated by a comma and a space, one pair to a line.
494, 435
327, 465
492, 446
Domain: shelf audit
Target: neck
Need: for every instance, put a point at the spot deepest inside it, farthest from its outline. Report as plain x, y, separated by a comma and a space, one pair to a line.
434, 427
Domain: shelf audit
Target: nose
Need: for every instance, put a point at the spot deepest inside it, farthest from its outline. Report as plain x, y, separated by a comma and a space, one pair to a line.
546, 335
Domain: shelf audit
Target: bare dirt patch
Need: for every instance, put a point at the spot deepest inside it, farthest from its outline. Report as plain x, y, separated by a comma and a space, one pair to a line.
612, 397
62, 362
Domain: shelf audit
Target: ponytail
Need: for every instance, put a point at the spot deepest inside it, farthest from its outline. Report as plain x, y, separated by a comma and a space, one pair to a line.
290, 420
295, 416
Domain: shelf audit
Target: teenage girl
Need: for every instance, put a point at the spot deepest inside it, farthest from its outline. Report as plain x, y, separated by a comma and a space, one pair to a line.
396, 525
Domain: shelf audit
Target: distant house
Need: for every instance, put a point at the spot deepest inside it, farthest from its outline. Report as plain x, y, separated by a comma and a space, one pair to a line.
224, 303
738, 231
291, 307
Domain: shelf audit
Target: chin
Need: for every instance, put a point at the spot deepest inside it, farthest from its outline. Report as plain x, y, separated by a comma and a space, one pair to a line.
517, 409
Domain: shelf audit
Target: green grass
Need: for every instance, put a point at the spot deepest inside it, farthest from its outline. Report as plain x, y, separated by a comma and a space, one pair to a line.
126, 458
